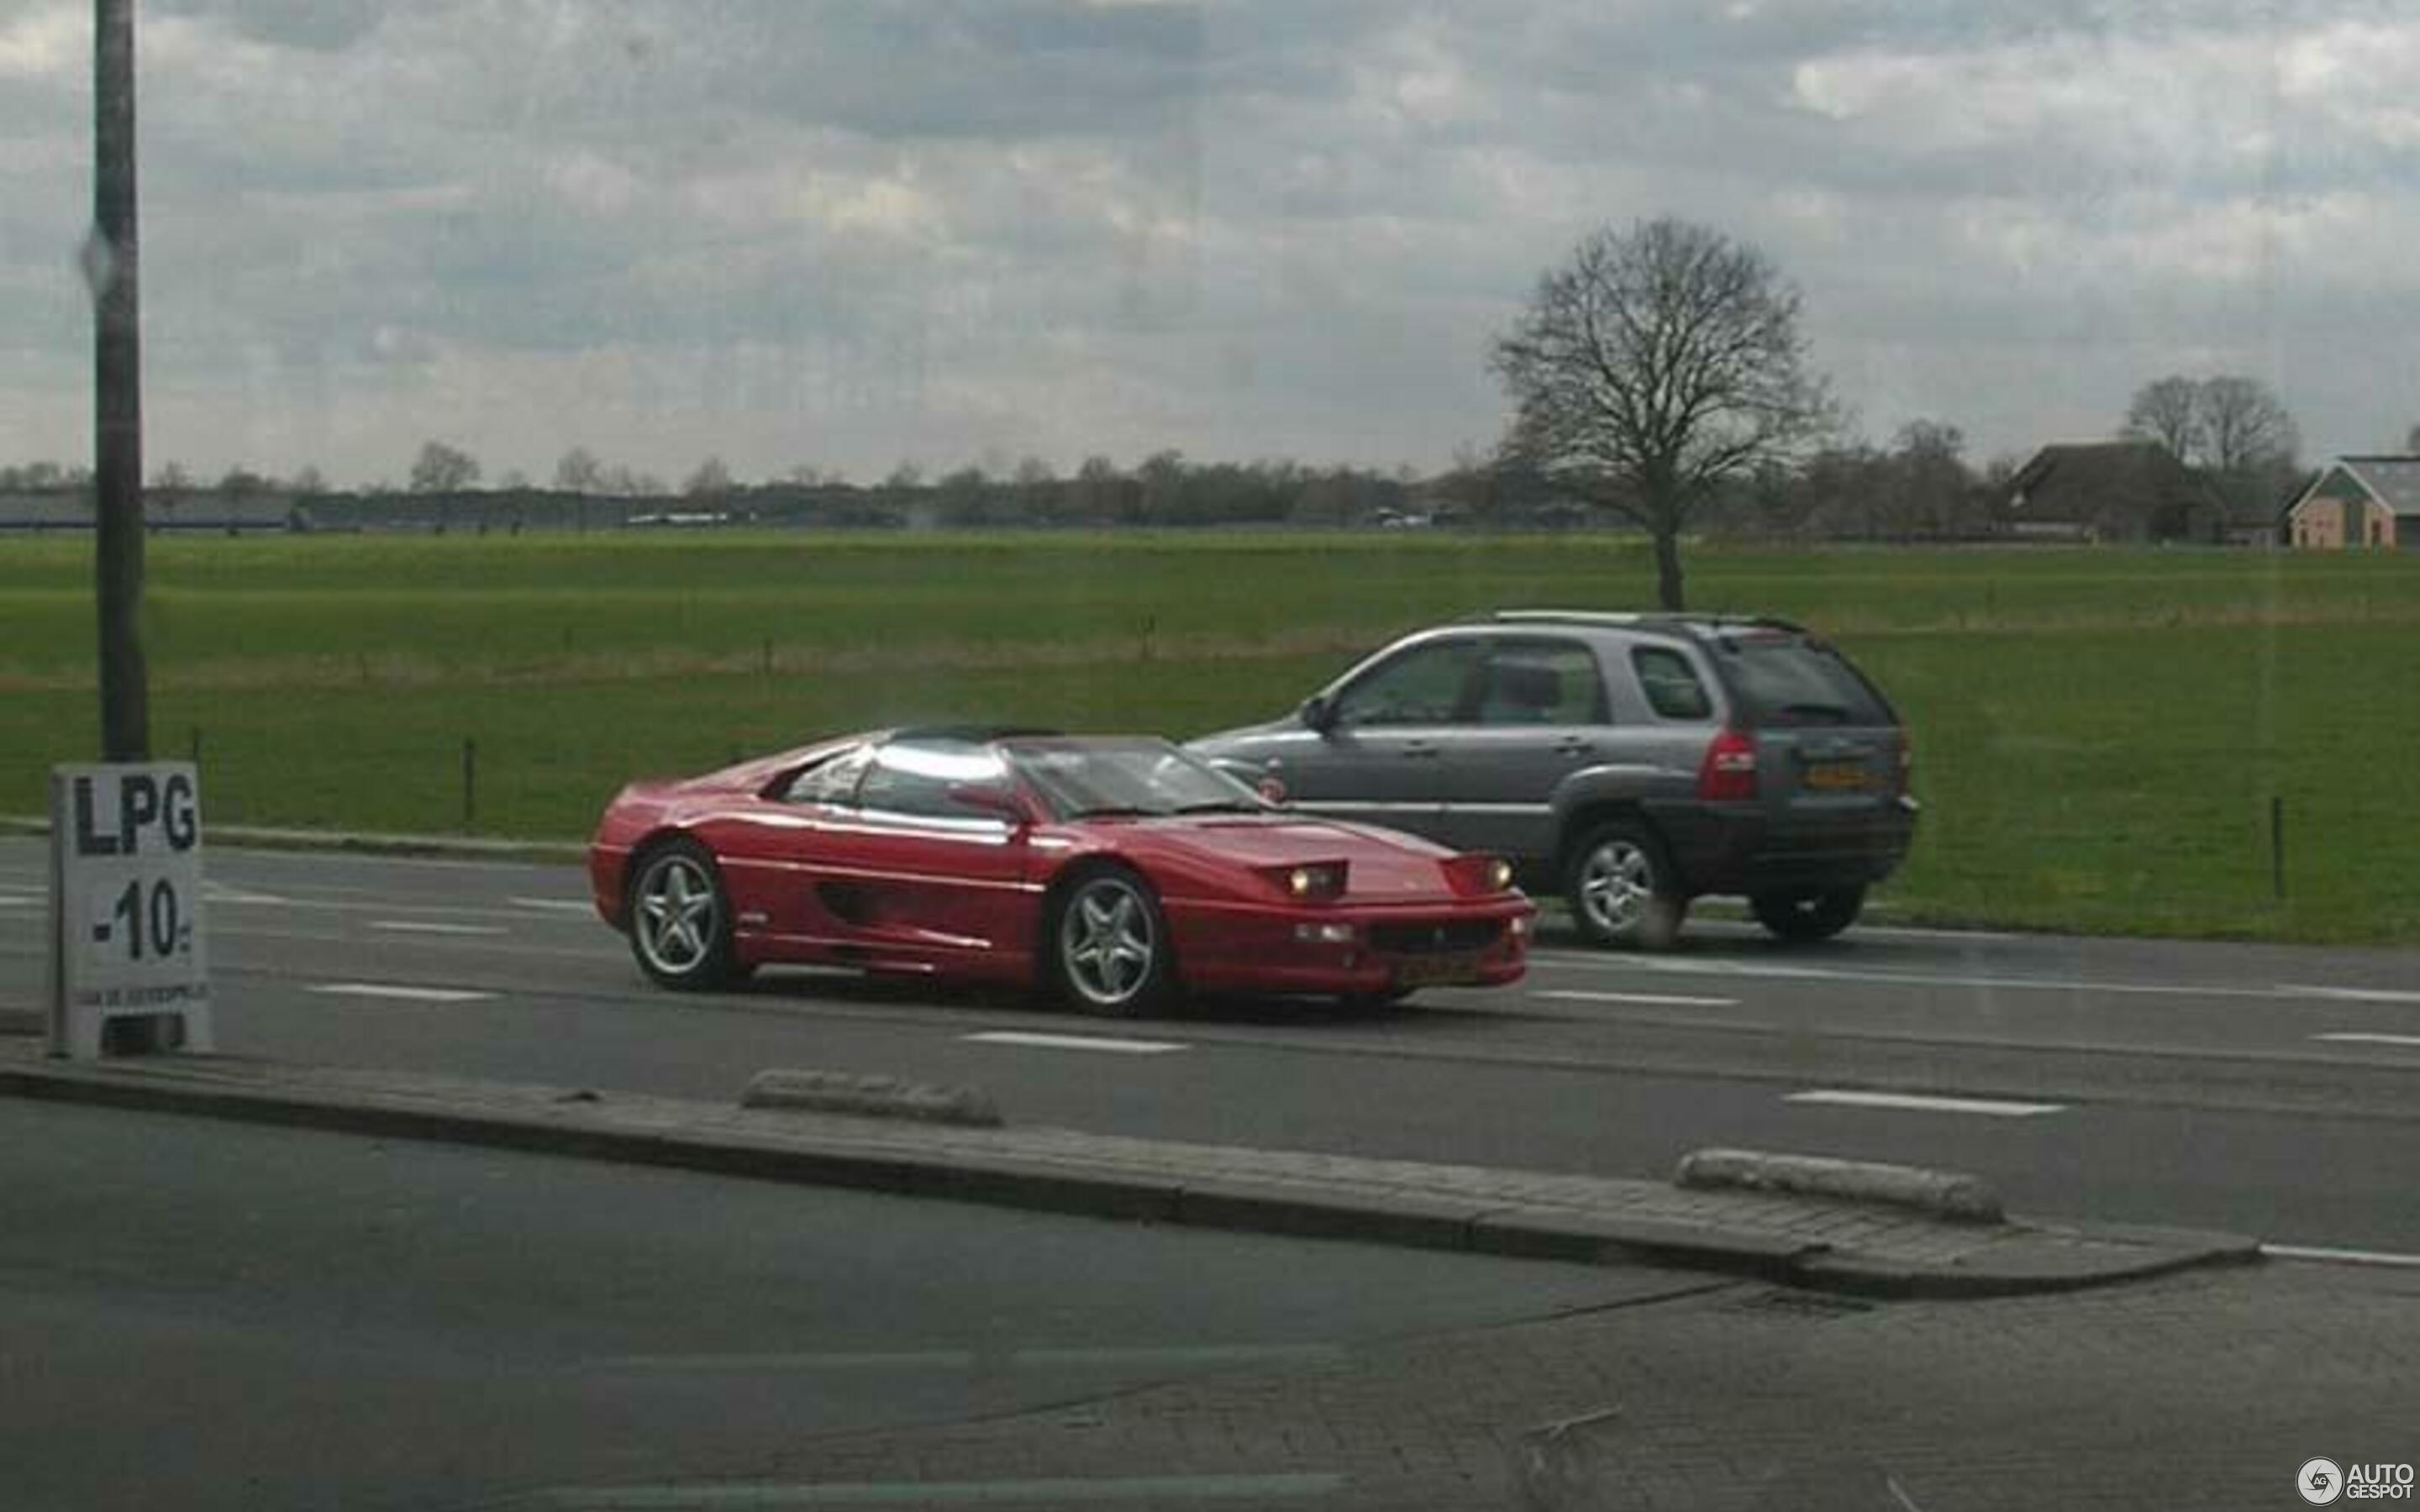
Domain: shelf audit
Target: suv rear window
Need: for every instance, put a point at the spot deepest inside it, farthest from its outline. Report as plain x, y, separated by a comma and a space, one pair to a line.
1789, 680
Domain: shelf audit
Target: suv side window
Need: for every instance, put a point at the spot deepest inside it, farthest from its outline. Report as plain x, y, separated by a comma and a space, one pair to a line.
1426, 685
1540, 682
1671, 684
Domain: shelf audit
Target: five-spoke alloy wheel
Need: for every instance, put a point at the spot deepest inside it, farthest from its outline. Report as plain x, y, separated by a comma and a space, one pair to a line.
1108, 944
680, 918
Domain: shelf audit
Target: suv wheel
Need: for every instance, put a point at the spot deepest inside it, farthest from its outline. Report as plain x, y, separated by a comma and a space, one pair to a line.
1805, 915
1622, 889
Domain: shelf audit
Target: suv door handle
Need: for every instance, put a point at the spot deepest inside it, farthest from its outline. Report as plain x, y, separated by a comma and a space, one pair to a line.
1426, 748
1572, 745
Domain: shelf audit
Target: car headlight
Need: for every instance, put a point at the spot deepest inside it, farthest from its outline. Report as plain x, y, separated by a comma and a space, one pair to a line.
1313, 882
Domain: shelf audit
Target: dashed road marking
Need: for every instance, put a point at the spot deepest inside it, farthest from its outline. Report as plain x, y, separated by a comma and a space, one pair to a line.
1080, 1042
2351, 994
1651, 999
413, 994
1921, 1103
562, 905
2362, 1037
2340, 1256
415, 926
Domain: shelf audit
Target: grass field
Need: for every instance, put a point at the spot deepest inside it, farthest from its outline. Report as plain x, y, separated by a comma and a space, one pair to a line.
2101, 733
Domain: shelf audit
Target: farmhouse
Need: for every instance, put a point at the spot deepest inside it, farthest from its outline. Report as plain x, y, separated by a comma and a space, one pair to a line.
2114, 491
2359, 504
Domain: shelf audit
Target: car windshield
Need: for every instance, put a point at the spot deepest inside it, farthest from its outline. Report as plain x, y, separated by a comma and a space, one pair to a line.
1141, 777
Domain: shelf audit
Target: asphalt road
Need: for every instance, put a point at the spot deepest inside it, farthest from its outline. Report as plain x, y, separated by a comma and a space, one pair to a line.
2262, 1089
221, 1318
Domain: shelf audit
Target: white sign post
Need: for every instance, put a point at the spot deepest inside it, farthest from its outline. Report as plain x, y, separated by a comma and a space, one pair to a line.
126, 905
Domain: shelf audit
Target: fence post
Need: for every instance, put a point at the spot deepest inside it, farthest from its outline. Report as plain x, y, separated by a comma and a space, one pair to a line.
2277, 846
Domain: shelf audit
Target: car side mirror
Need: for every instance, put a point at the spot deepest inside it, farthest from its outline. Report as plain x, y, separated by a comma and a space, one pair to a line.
992, 799
1318, 713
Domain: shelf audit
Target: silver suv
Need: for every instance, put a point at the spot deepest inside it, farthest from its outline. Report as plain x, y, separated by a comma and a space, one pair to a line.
1629, 761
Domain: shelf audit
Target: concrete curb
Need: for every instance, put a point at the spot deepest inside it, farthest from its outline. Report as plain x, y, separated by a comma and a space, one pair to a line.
781, 1147
1944, 1194
877, 1097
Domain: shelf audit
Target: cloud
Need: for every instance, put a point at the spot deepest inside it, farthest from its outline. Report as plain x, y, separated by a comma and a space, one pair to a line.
765, 229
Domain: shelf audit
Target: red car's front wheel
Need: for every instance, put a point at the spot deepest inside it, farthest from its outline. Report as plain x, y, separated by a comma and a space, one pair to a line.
680, 918
1108, 944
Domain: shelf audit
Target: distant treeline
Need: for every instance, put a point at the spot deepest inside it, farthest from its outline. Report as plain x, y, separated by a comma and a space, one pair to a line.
1921, 489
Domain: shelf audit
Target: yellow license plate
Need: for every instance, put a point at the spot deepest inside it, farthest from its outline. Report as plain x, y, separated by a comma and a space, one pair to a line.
1838, 777
1439, 971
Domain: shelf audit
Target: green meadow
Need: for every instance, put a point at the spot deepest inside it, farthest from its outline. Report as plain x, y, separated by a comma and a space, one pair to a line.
2103, 735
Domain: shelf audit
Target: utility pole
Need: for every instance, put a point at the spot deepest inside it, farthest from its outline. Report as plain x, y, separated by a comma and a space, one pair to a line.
113, 265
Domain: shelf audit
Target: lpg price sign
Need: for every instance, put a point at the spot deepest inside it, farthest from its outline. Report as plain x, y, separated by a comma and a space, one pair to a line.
126, 903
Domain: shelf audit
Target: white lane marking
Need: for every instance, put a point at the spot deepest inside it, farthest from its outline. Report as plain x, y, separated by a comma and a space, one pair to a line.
765, 1496
413, 994
566, 905
2340, 1256
411, 926
2351, 994
2362, 1037
219, 892
1922, 1104
1078, 1042
11, 900
2054, 984
1654, 999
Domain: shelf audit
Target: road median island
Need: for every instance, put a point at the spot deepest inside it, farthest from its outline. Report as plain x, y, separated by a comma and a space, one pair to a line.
1799, 1239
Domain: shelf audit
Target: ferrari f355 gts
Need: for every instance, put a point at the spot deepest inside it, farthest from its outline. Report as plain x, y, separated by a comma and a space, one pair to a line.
1112, 871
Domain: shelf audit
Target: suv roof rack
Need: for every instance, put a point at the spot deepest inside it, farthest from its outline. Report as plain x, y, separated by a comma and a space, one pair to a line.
1677, 619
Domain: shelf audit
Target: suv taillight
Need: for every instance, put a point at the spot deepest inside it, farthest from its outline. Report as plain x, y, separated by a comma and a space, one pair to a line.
1729, 772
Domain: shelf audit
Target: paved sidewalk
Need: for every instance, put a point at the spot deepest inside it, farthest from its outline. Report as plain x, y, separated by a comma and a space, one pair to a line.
2204, 1390
1836, 1245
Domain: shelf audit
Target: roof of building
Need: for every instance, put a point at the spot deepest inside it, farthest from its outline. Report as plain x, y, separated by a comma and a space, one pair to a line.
2082, 483
2392, 480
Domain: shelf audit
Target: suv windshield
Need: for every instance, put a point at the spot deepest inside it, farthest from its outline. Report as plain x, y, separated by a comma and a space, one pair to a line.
1790, 680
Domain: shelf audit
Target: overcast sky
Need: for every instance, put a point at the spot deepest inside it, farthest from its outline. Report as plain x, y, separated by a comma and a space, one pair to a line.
787, 232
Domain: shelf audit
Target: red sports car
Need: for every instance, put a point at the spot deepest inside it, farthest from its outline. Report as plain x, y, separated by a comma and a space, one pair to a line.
1113, 870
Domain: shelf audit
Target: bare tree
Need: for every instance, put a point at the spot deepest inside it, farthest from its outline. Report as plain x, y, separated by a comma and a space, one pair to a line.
2228, 424
442, 468
2243, 426
712, 480
2411, 441
1654, 367
2168, 411
579, 471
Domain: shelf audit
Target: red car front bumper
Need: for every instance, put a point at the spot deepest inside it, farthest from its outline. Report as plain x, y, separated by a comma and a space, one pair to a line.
1345, 948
